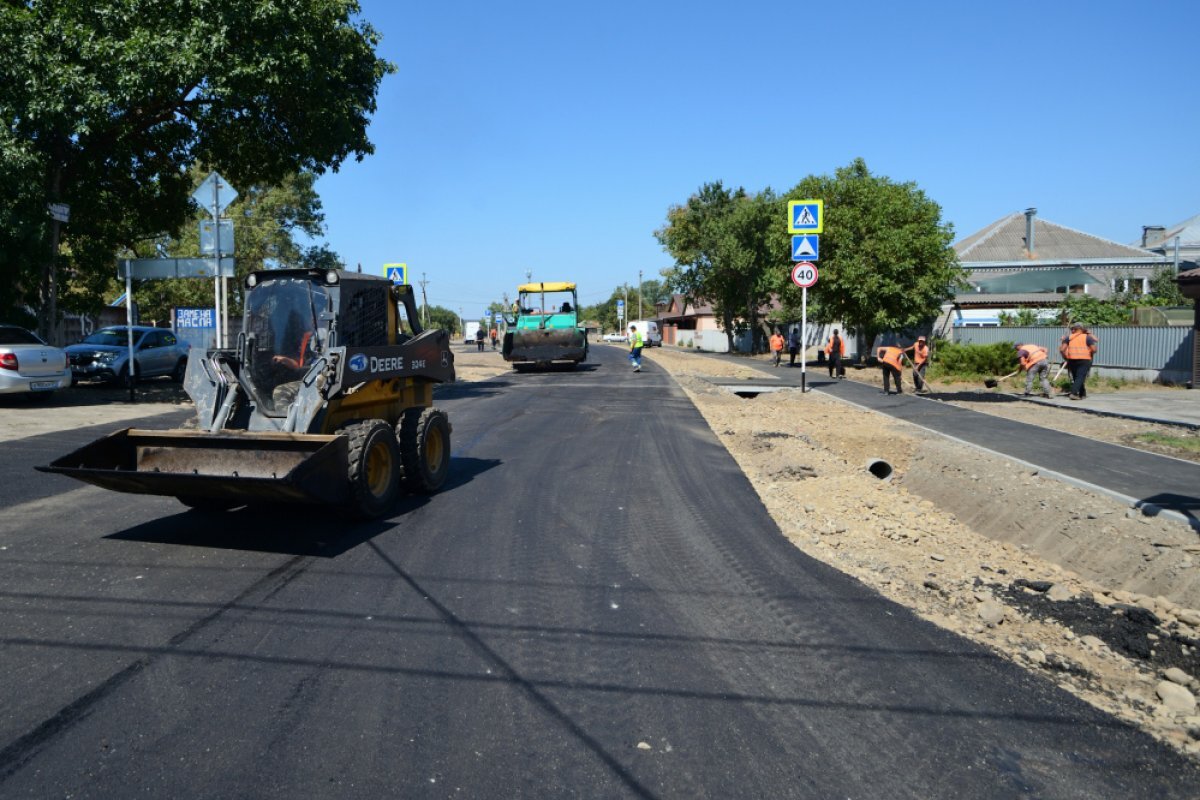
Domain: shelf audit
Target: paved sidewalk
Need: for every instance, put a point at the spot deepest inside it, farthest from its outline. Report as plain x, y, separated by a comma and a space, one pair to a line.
1171, 407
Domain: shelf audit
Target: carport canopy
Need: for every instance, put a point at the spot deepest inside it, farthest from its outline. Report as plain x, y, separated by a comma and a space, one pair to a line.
1037, 280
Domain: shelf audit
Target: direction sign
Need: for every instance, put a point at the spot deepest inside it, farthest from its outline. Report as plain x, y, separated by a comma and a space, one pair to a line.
208, 237
144, 268
214, 190
805, 248
59, 212
396, 273
806, 216
804, 274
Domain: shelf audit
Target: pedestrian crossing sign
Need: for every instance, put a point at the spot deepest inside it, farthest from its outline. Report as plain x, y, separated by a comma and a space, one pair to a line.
806, 216
805, 248
396, 273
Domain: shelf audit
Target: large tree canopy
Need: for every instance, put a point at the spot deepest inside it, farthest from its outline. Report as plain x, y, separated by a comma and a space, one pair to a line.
724, 250
106, 103
886, 260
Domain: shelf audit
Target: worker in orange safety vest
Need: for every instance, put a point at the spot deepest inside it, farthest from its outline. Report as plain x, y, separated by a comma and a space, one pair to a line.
920, 360
1034, 361
1078, 348
835, 351
777, 345
893, 367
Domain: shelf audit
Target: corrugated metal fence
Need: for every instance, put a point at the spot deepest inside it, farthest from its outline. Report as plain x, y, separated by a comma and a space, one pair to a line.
1128, 347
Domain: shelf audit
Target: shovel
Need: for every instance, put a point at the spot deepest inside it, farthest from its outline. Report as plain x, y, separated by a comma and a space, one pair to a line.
924, 383
992, 383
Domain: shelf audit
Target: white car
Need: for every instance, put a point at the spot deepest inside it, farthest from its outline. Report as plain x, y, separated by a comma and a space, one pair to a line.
615, 337
30, 366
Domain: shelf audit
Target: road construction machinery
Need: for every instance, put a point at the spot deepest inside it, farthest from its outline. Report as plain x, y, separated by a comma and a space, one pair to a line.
327, 398
543, 328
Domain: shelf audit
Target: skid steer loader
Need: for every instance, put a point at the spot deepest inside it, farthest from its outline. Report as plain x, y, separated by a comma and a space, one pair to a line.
326, 398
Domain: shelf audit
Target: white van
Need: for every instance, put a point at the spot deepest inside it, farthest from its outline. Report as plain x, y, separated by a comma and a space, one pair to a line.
648, 328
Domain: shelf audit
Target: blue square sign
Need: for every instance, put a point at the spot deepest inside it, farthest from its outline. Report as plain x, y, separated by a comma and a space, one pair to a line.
806, 247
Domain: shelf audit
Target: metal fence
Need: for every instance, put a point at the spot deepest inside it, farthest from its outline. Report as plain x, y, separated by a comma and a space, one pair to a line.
1127, 347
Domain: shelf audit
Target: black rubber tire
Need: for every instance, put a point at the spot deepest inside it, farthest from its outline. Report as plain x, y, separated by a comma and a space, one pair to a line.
179, 371
374, 469
207, 504
424, 436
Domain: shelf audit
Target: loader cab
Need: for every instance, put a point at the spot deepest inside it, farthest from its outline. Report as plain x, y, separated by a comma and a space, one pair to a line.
294, 317
287, 331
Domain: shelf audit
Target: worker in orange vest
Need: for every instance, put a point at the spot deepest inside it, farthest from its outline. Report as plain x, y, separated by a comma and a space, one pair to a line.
1035, 362
777, 345
893, 367
1078, 348
920, 360
835, 351
495, 335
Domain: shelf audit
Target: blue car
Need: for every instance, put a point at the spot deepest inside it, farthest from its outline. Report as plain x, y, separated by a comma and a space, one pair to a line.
104, 355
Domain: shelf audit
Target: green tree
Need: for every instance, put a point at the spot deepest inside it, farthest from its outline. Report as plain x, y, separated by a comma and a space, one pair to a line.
886, 260
1164, 291
444, 318
724, 251
106, 103
1088, 310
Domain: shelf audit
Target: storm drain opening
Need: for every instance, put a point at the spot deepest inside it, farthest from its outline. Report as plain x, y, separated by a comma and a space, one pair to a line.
747, 392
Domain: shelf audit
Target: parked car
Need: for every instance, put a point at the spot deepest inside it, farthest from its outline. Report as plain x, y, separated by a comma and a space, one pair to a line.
30, 366
615, 336
104, 355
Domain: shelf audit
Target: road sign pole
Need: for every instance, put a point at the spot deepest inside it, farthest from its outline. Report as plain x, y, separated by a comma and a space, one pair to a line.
216, 212
131, 370
803, 339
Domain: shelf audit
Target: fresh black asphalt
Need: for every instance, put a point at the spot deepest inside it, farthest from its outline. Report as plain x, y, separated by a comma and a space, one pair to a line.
597, 605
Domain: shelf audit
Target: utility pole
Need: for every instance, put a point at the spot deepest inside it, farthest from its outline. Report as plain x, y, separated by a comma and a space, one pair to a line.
461, 325
639, 294
528, 276
424, 303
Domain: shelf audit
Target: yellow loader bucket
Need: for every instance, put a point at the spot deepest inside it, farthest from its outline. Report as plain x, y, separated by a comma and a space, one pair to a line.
235, 466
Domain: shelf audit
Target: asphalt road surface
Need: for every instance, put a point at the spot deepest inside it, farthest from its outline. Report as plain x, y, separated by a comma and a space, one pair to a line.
596, 606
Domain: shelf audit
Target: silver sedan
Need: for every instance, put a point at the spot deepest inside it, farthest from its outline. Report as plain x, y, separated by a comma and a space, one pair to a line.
30, 366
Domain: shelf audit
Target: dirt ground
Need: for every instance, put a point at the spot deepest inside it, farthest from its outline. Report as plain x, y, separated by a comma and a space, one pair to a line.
1094, 595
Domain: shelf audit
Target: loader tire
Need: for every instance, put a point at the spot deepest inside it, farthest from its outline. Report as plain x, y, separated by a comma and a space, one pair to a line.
424, 449
374, 468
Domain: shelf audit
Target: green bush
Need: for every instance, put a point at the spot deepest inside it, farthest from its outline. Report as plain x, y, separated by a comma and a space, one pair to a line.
971, 360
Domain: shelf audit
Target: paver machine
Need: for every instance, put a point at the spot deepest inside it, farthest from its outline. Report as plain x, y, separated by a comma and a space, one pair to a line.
327, 398
543, 327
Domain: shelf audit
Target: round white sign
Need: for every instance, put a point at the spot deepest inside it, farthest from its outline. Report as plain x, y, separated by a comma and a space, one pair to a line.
804, 274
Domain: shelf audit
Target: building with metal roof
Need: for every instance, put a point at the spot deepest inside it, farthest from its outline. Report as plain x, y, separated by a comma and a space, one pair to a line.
1021, 260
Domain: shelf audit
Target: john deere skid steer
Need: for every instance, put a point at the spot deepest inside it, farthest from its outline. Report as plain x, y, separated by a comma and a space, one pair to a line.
326, 398
543, 327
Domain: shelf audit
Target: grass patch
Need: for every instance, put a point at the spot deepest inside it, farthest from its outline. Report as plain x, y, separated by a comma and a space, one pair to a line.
1190, 444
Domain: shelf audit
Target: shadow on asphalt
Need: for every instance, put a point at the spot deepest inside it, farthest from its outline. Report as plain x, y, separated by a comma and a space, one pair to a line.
295, 529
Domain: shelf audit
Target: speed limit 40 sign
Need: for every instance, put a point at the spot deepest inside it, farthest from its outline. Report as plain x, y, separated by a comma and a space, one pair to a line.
804, 274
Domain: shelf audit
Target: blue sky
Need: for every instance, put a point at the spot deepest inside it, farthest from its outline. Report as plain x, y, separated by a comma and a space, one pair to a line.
553, 136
